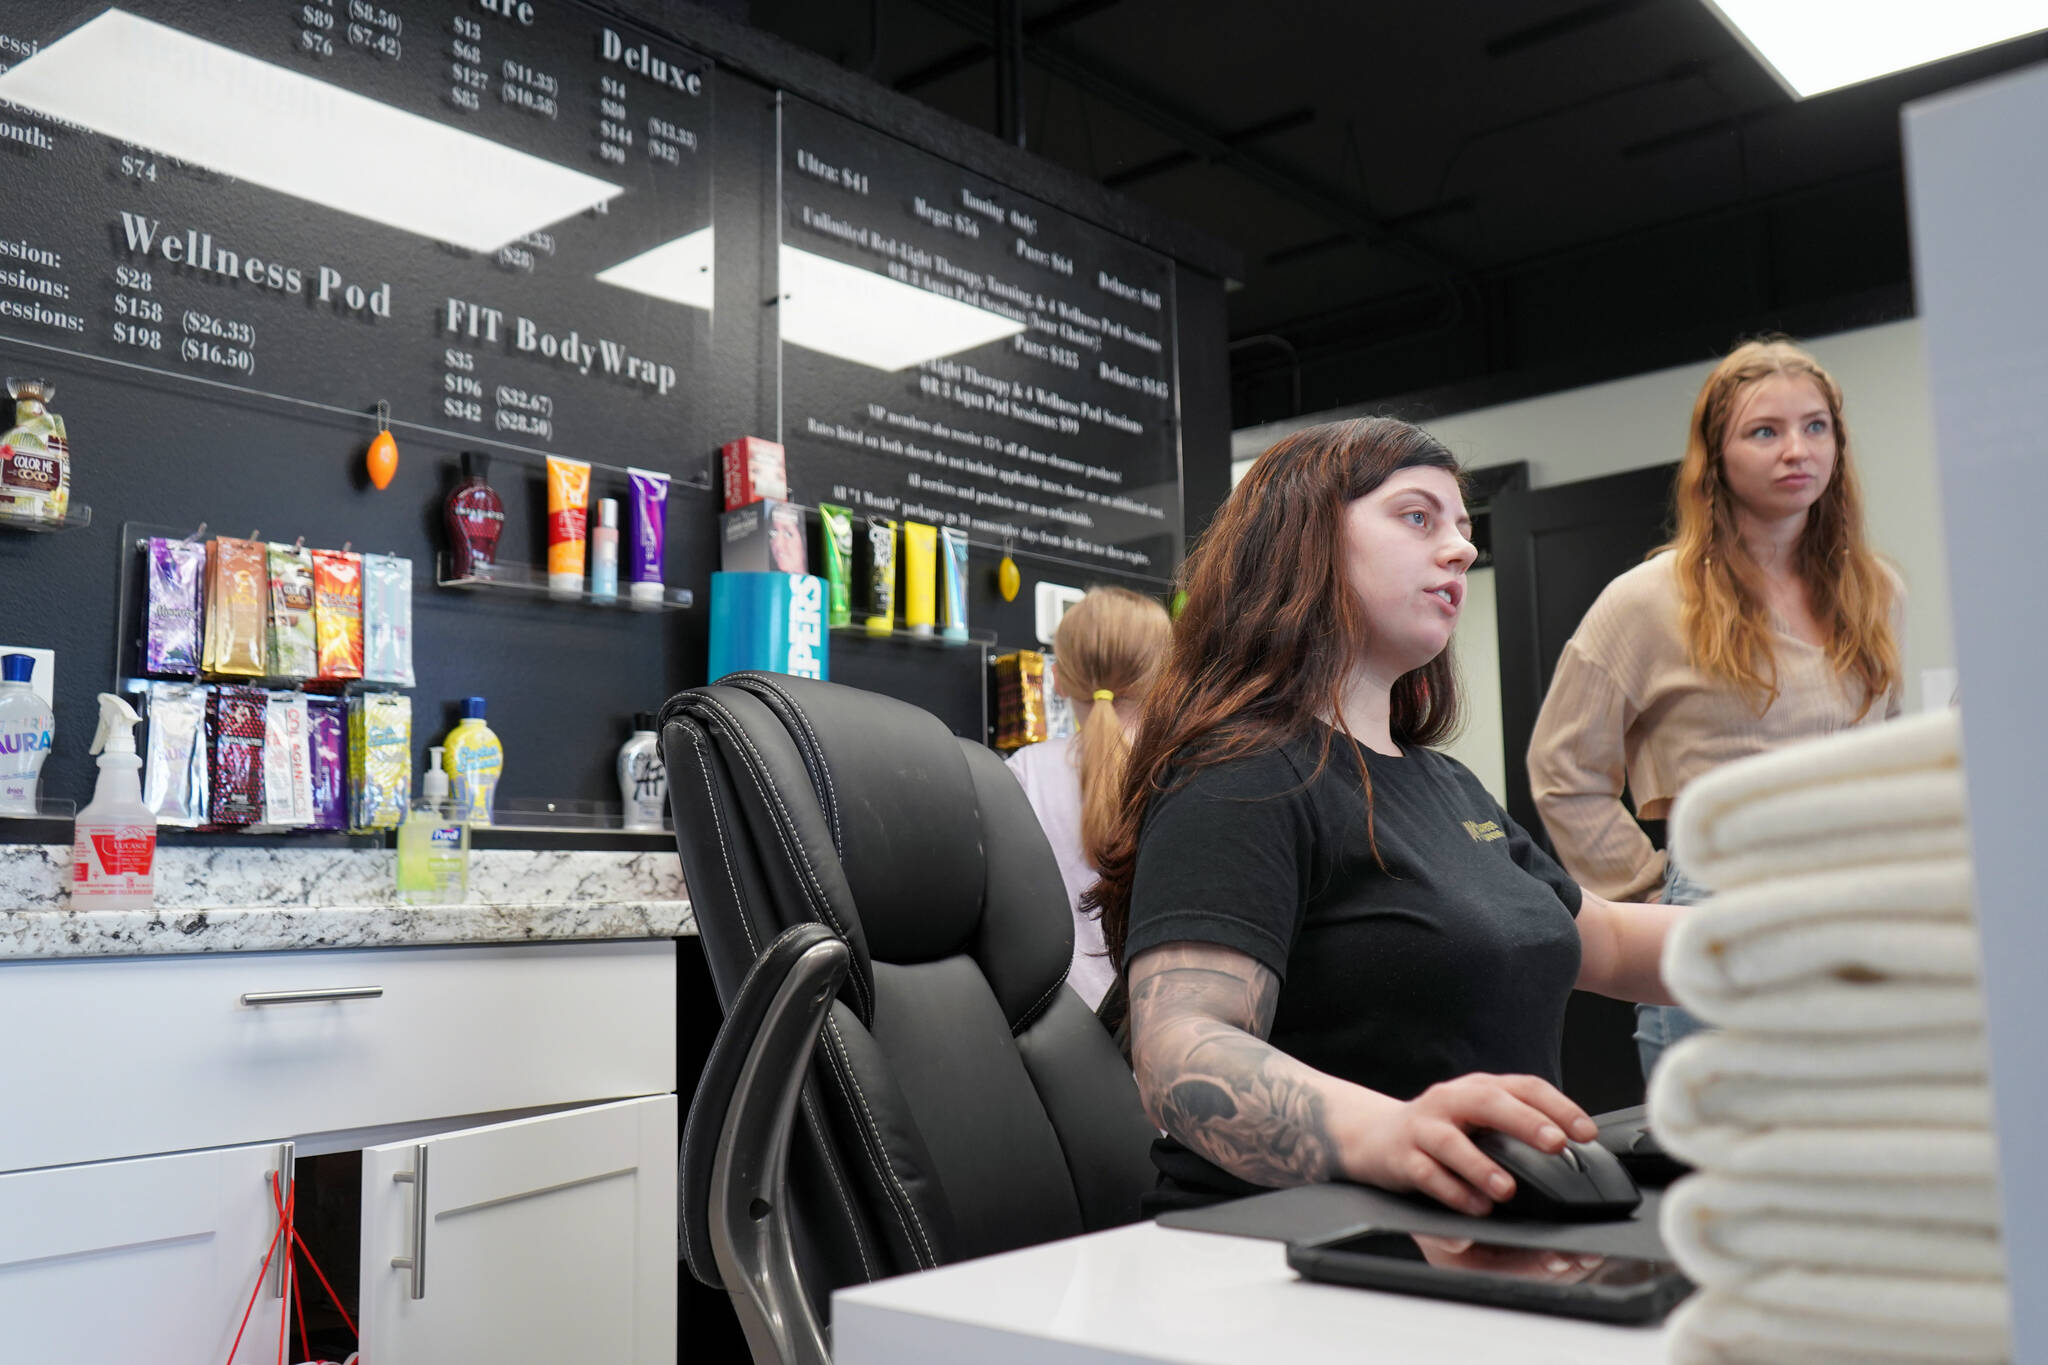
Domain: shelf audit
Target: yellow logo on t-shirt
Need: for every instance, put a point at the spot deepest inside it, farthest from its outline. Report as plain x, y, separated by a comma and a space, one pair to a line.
1484, 832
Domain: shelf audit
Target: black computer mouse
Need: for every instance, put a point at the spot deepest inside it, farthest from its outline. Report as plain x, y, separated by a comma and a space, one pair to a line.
1627, 1134
1582, 1183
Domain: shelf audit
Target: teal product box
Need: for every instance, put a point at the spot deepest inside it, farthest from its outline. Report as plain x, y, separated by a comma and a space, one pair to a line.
769, 623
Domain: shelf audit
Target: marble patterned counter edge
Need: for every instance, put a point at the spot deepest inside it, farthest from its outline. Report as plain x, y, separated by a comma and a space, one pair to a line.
36, 876
43, 933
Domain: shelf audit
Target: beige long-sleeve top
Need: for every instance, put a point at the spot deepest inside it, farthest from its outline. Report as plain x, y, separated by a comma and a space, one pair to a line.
1627, 703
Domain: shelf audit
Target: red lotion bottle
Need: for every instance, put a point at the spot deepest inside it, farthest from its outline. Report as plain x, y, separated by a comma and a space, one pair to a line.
475, 517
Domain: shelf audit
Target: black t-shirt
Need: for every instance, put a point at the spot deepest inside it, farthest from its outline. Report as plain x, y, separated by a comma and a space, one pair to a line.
1458, 957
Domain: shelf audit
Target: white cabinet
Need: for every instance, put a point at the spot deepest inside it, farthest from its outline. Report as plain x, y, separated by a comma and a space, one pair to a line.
149, 1260
544, 1239
138, 1055
548, 1237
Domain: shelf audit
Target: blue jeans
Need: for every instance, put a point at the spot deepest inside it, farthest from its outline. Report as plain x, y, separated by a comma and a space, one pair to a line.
1659, 1026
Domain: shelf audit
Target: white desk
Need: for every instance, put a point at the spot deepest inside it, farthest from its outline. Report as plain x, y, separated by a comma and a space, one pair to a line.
1149, 1294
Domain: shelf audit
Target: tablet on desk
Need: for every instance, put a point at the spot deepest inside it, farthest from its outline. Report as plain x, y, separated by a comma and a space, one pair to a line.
1623, 1289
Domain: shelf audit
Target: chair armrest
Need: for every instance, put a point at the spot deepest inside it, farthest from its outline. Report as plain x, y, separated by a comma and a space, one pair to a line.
735, 1154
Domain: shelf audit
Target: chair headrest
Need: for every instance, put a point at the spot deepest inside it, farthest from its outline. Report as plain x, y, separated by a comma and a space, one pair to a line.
892, 824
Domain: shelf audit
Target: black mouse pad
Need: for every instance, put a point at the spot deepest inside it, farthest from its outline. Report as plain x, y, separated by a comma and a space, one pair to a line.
1324, 1213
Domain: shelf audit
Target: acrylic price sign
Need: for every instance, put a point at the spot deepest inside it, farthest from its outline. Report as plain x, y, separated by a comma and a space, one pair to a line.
493, 215
956, 353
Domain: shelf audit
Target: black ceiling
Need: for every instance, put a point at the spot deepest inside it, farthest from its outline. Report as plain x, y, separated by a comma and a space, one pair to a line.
1446, 203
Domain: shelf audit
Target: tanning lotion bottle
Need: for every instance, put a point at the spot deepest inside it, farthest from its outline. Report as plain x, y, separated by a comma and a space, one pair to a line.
604, 552
35, 457
643, 779
26, 725
476, 515
113, 847
475, 760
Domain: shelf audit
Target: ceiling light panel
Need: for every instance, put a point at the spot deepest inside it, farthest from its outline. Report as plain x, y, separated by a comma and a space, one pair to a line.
1817, 45
679, 271
873, 320
144, 83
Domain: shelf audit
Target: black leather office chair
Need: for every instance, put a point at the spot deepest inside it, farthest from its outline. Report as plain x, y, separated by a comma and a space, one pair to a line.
888, 934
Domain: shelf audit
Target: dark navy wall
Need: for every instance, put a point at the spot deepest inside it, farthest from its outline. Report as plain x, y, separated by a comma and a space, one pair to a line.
562, 681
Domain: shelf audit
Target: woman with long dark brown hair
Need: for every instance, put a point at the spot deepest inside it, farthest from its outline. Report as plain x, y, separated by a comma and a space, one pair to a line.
1766, 619
1341, 954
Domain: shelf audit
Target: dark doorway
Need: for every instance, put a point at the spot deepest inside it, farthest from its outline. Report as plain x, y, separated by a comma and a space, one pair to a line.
1554, 549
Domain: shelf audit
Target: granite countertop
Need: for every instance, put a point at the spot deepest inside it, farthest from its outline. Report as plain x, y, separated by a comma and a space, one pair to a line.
223, 900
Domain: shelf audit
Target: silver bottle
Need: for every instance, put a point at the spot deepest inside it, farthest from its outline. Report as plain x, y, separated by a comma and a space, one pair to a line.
643, 779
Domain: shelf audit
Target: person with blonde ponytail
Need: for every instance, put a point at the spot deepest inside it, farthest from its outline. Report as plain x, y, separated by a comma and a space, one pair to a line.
1766, 619
1107, 650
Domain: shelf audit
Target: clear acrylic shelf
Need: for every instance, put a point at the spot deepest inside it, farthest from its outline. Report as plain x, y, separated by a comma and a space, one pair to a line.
76, 516
47, 808
529, 580
338, 688
531, 815
984, 639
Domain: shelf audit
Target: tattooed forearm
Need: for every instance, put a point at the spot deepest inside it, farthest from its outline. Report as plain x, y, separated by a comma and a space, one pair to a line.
1235, 1101
1198, 1020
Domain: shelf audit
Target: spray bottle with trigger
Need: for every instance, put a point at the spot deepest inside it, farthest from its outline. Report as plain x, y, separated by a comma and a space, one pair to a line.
113, 850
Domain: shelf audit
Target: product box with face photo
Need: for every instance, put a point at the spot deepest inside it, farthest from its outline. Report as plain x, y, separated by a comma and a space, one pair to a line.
763, 537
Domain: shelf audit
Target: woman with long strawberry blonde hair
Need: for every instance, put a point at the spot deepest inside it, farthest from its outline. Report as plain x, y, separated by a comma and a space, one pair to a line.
1107, 650
1766, 619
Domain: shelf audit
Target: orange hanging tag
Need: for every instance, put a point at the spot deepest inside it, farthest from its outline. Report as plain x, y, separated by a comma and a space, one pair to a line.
382, 461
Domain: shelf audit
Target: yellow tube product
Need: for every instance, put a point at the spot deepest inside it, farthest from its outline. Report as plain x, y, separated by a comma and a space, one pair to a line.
568, 512
920, 576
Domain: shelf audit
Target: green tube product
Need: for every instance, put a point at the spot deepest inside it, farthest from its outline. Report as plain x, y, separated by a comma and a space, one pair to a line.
879, 580
837, 526
920, 576
952, 583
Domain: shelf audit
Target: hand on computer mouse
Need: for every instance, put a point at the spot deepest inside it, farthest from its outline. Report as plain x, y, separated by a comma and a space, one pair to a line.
1422, 1144
1582, 1182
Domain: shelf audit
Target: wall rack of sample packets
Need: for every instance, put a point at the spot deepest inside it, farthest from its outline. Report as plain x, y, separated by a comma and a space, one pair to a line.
271, 675
271, 679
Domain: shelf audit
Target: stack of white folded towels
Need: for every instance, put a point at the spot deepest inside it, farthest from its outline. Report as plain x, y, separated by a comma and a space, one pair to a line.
1845, 1206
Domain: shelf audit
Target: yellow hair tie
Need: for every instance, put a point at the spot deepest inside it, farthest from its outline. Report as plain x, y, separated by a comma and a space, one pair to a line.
1104, 694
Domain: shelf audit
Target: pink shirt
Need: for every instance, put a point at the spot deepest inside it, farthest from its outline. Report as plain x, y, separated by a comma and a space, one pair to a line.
1053, 786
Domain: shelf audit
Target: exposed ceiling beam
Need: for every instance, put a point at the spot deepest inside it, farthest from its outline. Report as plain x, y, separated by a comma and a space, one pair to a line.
974, 54
1119, 90
1010, 112
1676, 73
1339, 329
1173, 161
1562, 26
1303, 250
1699, 132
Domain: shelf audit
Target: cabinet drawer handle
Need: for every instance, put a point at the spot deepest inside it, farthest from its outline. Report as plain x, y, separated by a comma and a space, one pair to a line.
286, 1173
417, 1262
310, 997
